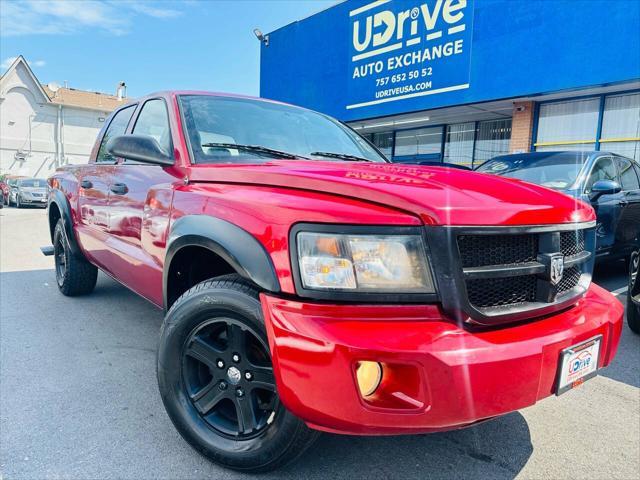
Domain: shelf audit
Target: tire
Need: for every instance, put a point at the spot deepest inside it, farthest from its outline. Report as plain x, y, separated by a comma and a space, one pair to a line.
633, 313
201, 332
18, 204
74, 274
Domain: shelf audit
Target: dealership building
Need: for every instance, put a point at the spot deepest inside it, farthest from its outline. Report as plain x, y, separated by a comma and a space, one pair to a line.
461, 81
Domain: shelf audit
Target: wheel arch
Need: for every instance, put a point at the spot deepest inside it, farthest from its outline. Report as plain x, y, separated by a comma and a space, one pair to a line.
59, 208
234, 246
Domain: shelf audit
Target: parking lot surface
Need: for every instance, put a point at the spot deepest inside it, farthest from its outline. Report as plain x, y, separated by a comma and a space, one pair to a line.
78, 398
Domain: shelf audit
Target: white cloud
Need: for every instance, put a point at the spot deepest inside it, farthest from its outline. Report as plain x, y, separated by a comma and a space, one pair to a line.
7, 62
56, 17
147, 8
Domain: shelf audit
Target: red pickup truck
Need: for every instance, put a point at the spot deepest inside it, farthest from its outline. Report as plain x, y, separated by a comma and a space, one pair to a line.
309, 285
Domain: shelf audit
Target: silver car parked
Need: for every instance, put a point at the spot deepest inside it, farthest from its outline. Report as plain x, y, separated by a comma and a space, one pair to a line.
29, 191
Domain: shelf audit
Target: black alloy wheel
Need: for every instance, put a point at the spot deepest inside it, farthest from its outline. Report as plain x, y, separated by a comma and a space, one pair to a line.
217, 381
226, 370
74, 274
60, 258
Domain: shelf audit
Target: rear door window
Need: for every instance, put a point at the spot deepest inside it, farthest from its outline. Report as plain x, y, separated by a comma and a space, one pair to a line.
118, 126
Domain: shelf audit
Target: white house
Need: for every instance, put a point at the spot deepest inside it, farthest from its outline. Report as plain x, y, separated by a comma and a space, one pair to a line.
43, 127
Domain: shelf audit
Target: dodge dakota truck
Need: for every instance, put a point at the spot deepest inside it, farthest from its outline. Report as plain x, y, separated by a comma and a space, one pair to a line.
310, 285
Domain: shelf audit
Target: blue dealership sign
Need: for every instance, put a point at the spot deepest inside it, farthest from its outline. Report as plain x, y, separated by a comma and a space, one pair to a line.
364, 59
407, 49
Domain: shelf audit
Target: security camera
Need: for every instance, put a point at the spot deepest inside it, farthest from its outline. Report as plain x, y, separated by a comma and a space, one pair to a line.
520, 108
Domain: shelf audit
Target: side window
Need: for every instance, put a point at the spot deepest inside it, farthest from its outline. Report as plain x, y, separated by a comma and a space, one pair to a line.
604, 169
628, 177
118, 126
154, 122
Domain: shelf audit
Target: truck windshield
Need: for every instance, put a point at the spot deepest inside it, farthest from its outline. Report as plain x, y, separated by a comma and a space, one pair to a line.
552, 170
262, 129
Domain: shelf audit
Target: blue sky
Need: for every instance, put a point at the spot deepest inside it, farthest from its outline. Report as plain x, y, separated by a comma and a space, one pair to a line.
151, 45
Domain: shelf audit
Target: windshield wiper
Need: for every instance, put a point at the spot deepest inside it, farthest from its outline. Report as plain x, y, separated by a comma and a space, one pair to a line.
256, 149
341, 156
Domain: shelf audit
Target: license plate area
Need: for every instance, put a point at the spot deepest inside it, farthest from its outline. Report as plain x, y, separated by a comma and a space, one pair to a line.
578, 364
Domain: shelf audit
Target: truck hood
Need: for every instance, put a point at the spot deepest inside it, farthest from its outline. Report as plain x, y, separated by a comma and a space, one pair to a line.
438, 195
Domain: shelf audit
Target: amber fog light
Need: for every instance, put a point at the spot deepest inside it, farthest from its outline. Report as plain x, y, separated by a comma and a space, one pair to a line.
369, 375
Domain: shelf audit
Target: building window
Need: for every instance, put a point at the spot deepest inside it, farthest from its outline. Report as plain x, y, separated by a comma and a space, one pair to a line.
458, 148
571, 125
384, 142
426, 142
492, 139
621, 125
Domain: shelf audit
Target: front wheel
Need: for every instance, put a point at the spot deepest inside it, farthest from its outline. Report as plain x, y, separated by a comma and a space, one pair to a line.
18, 204
217, 383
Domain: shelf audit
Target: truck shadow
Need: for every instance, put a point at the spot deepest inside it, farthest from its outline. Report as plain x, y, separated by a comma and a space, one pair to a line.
496, 449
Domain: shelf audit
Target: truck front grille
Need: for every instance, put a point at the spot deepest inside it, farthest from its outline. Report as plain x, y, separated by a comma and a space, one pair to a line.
499, 292
572, 243
570, 279
479, 250
494, 275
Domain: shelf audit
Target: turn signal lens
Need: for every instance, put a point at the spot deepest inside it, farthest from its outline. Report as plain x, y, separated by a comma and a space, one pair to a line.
369, 375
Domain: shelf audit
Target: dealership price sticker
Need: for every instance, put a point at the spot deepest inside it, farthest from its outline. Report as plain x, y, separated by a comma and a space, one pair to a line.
578, 364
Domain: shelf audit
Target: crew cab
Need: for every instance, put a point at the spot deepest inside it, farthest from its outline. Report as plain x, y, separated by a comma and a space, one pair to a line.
310, 285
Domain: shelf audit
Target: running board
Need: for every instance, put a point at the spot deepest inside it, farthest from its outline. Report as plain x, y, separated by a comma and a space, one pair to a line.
47, 251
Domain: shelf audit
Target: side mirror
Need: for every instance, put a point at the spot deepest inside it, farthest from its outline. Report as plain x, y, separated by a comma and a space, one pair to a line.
604, 187
140, 148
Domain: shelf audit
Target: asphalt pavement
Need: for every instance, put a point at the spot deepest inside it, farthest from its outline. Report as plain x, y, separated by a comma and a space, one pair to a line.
78, 398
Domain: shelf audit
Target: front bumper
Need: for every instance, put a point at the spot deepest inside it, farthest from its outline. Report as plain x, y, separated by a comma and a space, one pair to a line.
442, 376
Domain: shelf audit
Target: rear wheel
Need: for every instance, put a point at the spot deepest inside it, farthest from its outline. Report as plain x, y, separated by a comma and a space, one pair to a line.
633, 315
74, 275
217, 383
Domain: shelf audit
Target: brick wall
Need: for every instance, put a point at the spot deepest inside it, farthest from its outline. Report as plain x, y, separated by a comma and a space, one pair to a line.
521, 127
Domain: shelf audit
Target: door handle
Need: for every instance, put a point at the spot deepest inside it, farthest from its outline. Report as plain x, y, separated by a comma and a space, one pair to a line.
119, 188
86, 184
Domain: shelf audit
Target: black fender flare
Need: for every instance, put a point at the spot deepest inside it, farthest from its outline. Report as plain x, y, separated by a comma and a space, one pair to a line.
60, 200
235, 245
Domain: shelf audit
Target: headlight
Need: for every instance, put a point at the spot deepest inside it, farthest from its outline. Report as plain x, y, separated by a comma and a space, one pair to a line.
363, 263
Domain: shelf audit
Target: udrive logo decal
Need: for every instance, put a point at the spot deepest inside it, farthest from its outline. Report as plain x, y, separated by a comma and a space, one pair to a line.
384, 31
581, 362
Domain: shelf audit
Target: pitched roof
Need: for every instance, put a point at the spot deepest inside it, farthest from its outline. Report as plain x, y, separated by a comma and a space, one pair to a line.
69, 96
21, 61
84, 99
